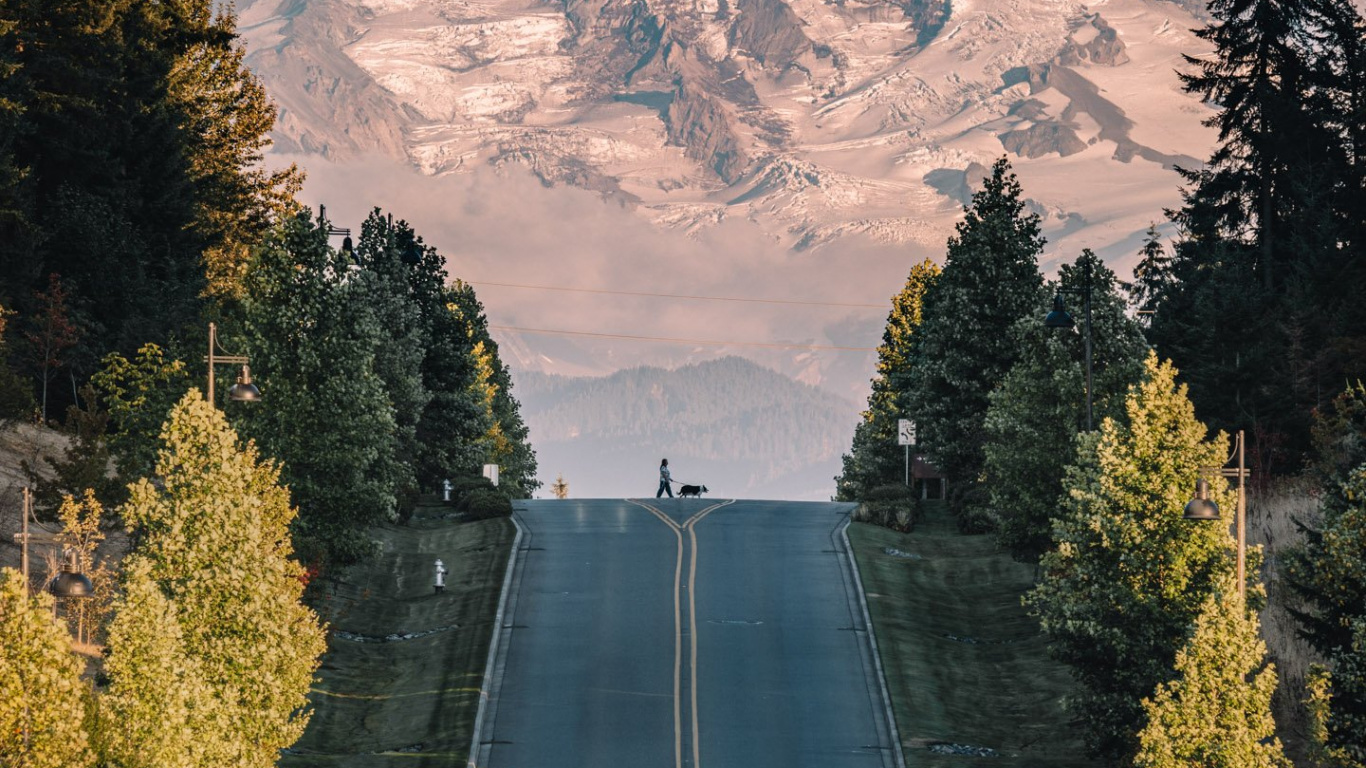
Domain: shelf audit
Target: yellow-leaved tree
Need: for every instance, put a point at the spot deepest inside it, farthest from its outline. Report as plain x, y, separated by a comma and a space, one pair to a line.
214, 564
43, 702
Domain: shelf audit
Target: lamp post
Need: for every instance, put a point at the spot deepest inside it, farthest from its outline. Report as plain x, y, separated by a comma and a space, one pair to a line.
243, 391
1204, 508
332, 231
1059, 318
69, 582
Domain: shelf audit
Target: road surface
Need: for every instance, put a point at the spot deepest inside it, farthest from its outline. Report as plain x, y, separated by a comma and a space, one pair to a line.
682, 633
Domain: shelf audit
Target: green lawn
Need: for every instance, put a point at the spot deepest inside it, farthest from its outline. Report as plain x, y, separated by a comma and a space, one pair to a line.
408, 702
964, 663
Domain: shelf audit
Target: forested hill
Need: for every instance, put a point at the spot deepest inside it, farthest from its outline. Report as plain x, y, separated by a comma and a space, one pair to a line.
739, 428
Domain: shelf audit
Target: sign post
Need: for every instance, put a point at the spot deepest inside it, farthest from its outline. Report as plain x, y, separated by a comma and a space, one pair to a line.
905, 436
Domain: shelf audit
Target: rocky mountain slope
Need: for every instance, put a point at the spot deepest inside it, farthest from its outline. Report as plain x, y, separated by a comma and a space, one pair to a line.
817, 119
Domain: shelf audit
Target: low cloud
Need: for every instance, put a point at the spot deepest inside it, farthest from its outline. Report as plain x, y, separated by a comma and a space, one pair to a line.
505, 226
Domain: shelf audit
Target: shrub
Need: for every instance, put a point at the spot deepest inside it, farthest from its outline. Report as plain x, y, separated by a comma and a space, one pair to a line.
483, 504
890, 506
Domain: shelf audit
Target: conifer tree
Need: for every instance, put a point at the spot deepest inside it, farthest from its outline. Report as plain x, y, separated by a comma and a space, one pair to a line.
990, 280
1152, 274
42, 698
215, 537
1329, 569
1121, 590
874, 458
1216, 713
1040, 405
385, 252
312, 336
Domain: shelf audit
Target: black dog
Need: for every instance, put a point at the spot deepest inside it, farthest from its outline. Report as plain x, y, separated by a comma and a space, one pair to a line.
694, 491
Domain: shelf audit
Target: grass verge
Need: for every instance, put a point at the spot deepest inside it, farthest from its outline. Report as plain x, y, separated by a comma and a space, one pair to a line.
400, 682
965, 664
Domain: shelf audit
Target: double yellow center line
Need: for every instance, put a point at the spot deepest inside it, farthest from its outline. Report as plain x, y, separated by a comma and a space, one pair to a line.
690, 525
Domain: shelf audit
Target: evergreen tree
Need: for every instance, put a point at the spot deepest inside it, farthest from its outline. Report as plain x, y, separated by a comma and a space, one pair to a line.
1329, 569
1337, 720
215, 536
964, 347
384, 252
42, 698
1216, 713
158, 710
874, 459
1257, 312
455, 420
504, 442
560, 488
16, 397
1041, 405
312, 336
1152, 274
1128, 576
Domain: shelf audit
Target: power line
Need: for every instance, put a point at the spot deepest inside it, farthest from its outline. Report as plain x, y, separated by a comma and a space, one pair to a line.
710, 342
681, 296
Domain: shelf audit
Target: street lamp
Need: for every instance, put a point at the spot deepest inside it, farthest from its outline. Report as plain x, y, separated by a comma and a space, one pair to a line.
243, 391
70, 582
1202, 507
1059, 318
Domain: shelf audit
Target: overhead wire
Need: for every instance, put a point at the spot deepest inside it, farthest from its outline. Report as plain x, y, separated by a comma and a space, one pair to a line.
796, 302
707, 342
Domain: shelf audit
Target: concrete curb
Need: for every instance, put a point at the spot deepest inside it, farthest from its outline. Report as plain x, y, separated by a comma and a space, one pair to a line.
898, 753
493, 677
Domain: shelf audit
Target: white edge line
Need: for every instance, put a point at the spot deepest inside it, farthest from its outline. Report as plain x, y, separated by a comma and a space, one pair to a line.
493, 646
897, 752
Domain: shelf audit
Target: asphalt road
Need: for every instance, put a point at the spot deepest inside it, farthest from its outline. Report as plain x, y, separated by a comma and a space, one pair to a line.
681, 633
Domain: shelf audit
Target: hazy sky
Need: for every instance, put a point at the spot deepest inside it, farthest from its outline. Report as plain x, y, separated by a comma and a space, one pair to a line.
505, 226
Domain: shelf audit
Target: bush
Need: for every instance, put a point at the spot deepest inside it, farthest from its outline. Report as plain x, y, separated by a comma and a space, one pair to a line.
890, 506
464, 485
971, 507
483, 504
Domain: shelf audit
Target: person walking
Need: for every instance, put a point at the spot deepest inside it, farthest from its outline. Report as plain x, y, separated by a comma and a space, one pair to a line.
664, 480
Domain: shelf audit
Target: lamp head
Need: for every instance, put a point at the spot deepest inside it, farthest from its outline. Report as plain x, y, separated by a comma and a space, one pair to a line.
70, 582
244, 391
1058, 318
1201, 507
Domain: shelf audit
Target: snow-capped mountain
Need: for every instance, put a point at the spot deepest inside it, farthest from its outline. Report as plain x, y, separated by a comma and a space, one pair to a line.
816, 119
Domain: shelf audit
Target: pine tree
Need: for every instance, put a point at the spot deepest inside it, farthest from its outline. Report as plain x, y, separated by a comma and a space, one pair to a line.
383, 253
216, 540
874, 458
50, 334
312, 335
1216, 713
42, 698
1329, 569
1128, 577
1152, 274
990, 280
1040, 405
1257, 310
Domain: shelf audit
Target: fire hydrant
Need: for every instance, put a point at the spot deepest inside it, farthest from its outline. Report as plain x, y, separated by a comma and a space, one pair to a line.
445, 490
440, 576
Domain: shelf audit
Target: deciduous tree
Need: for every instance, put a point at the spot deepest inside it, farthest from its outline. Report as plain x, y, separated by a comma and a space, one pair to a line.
874, 458
215, 536
43, 702
1121, 590
1216, 712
